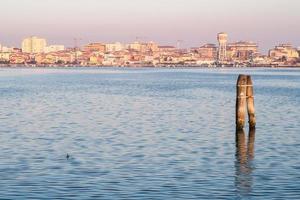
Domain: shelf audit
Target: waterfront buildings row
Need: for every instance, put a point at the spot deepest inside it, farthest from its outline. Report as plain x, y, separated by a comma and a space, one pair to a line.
35, 51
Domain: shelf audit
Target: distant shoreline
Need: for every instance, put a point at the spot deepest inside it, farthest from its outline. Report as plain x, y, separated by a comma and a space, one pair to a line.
146, 66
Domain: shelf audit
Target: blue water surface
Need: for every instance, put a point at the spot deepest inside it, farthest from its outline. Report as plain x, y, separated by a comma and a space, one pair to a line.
146, 133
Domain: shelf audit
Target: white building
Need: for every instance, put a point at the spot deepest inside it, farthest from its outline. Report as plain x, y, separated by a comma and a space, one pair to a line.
112, 47
34, 45
4, 56
54, 48
137, 46
6, 49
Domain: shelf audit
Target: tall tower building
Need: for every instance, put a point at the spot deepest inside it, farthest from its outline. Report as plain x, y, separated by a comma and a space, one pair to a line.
33, 45
222, 39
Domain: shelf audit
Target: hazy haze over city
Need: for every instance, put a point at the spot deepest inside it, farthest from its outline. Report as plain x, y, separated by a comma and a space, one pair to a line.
267, 22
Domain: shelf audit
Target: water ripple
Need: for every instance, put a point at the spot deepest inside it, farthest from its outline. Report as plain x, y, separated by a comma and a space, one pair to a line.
146, 134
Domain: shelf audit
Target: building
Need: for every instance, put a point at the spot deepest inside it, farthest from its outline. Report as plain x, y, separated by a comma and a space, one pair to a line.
135, 46
33, 45
4, 56
165, 49
7, 49
144, 47
54, 48
242, 51
95, 60
113, 47
207, 52
152, 46
95, 47
284, 52
19, 58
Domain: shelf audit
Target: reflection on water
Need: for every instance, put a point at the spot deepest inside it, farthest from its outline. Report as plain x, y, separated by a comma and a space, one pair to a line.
243, 164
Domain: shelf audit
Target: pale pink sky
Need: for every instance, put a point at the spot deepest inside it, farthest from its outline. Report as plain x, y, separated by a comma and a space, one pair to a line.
196, 22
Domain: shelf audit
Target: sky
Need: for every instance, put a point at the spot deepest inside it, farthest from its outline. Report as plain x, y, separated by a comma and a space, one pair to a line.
195, 22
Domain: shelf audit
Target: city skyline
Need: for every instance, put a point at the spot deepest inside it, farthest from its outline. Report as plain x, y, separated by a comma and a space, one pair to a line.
77, 43
266, 22
36, 50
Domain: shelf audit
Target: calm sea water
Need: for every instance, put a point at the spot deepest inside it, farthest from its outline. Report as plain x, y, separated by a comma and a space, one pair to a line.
146, 134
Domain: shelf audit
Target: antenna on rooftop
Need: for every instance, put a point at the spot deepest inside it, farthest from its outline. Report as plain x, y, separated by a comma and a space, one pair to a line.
76, 41
179, 42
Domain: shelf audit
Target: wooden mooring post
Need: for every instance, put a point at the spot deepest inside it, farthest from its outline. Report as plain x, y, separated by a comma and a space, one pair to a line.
250, 103
244, 102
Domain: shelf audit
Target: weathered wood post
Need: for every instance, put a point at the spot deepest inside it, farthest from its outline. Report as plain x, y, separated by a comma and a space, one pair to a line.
250, 103
244, 102
241, 92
